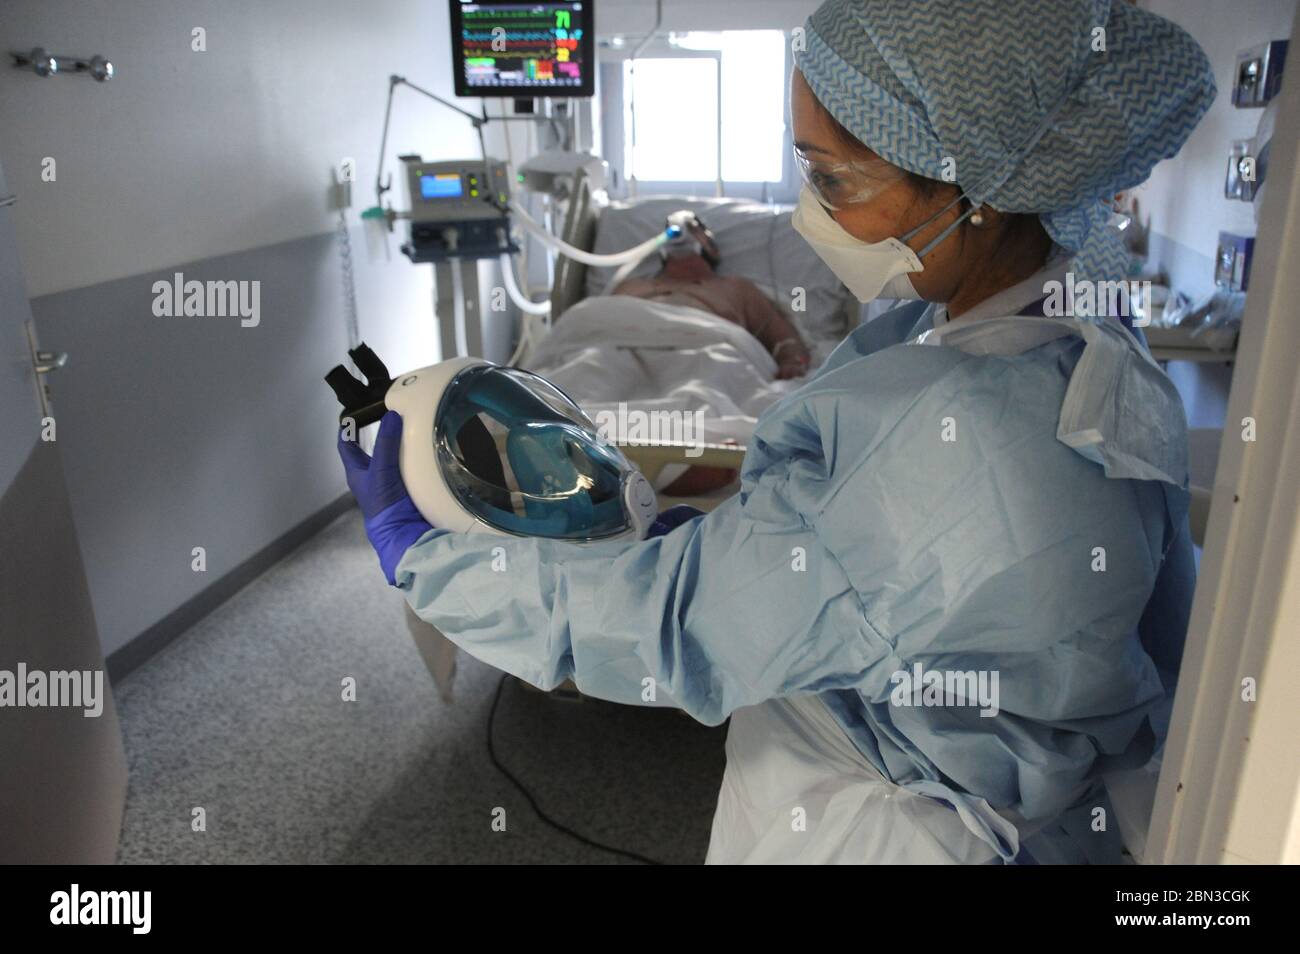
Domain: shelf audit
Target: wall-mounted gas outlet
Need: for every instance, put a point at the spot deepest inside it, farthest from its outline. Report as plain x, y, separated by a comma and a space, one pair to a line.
1243, 172
1259, 74
1232, 268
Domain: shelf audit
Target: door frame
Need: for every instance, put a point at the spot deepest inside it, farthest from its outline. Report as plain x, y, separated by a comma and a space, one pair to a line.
1229, 789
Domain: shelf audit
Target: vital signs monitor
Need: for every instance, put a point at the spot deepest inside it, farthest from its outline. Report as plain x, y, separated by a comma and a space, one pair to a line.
522, 49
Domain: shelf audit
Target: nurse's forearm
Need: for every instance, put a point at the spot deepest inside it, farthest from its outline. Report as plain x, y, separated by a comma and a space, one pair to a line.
707, 618
548, 611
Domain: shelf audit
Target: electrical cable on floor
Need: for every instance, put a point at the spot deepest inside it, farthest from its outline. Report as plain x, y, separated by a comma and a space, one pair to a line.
537, 809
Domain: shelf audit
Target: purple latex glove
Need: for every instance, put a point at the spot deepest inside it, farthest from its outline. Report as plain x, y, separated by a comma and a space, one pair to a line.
671, 519
392, 522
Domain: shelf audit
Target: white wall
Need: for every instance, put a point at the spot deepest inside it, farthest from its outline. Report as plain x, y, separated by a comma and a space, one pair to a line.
186, 155
1184, 195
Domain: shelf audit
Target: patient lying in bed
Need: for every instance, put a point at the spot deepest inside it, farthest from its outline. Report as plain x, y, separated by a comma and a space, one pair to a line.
688, 278
687, 345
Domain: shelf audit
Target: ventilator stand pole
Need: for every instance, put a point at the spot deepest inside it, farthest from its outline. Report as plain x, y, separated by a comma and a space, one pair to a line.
456, 307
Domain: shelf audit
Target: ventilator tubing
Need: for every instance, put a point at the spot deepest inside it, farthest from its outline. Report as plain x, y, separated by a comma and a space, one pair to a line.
637, 252
525, 304
626, 269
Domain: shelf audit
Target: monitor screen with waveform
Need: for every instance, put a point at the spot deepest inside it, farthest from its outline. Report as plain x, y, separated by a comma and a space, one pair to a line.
523, 49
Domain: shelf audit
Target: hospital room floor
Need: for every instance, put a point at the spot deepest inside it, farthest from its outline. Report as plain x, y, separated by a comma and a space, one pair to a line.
243, 716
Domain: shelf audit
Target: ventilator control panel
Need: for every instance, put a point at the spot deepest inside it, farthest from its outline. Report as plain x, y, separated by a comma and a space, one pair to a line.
458, 209
457, 190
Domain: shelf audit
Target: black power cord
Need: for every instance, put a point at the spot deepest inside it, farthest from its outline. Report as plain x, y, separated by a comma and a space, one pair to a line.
537, 809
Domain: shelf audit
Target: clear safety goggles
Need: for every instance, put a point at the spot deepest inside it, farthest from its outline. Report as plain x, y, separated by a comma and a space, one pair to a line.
840, 184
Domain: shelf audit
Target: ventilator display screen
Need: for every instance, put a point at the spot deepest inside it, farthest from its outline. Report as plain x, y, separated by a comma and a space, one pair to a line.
445, 186
523, 49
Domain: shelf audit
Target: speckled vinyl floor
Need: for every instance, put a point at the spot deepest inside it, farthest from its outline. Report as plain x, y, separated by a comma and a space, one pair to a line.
243, 717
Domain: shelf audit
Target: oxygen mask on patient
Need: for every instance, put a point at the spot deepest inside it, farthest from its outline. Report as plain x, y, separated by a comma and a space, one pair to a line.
693, 238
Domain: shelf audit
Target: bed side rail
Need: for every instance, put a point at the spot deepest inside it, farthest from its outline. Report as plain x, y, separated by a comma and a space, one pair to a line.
570, 285
650, 459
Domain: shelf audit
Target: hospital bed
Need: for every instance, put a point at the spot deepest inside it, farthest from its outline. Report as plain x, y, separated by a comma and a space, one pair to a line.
725, 383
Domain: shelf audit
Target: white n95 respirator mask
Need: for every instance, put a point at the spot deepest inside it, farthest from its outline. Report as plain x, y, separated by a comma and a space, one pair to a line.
489, 449
869, 270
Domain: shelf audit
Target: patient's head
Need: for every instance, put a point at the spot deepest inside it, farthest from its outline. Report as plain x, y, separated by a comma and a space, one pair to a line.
693, 255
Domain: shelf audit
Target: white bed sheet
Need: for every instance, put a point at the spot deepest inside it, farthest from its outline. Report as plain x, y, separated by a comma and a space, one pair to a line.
651, 356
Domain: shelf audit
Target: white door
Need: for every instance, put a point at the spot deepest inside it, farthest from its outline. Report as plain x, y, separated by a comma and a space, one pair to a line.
62, 774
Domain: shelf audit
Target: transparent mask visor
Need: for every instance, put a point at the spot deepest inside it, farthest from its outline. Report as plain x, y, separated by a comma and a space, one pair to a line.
520, 456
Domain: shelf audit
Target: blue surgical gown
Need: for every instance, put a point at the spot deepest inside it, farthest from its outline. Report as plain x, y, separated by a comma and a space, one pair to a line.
910, 505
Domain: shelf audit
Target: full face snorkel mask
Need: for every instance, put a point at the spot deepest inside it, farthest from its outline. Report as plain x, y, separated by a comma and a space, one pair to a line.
487, 449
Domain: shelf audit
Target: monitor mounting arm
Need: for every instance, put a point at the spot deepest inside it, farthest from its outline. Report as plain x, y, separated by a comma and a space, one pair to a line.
478, 122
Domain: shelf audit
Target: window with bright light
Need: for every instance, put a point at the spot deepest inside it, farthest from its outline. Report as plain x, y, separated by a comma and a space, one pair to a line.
674, 119
671, 107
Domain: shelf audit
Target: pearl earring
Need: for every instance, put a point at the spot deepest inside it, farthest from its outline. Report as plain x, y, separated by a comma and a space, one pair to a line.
977, 219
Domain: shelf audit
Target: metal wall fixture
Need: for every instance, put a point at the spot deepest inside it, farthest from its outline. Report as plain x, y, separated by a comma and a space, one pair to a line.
44, 63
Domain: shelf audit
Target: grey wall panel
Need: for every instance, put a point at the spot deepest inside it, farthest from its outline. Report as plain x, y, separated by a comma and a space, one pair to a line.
185, 432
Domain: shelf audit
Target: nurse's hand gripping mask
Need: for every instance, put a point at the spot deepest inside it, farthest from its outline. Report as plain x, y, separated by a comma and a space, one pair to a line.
487, 449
